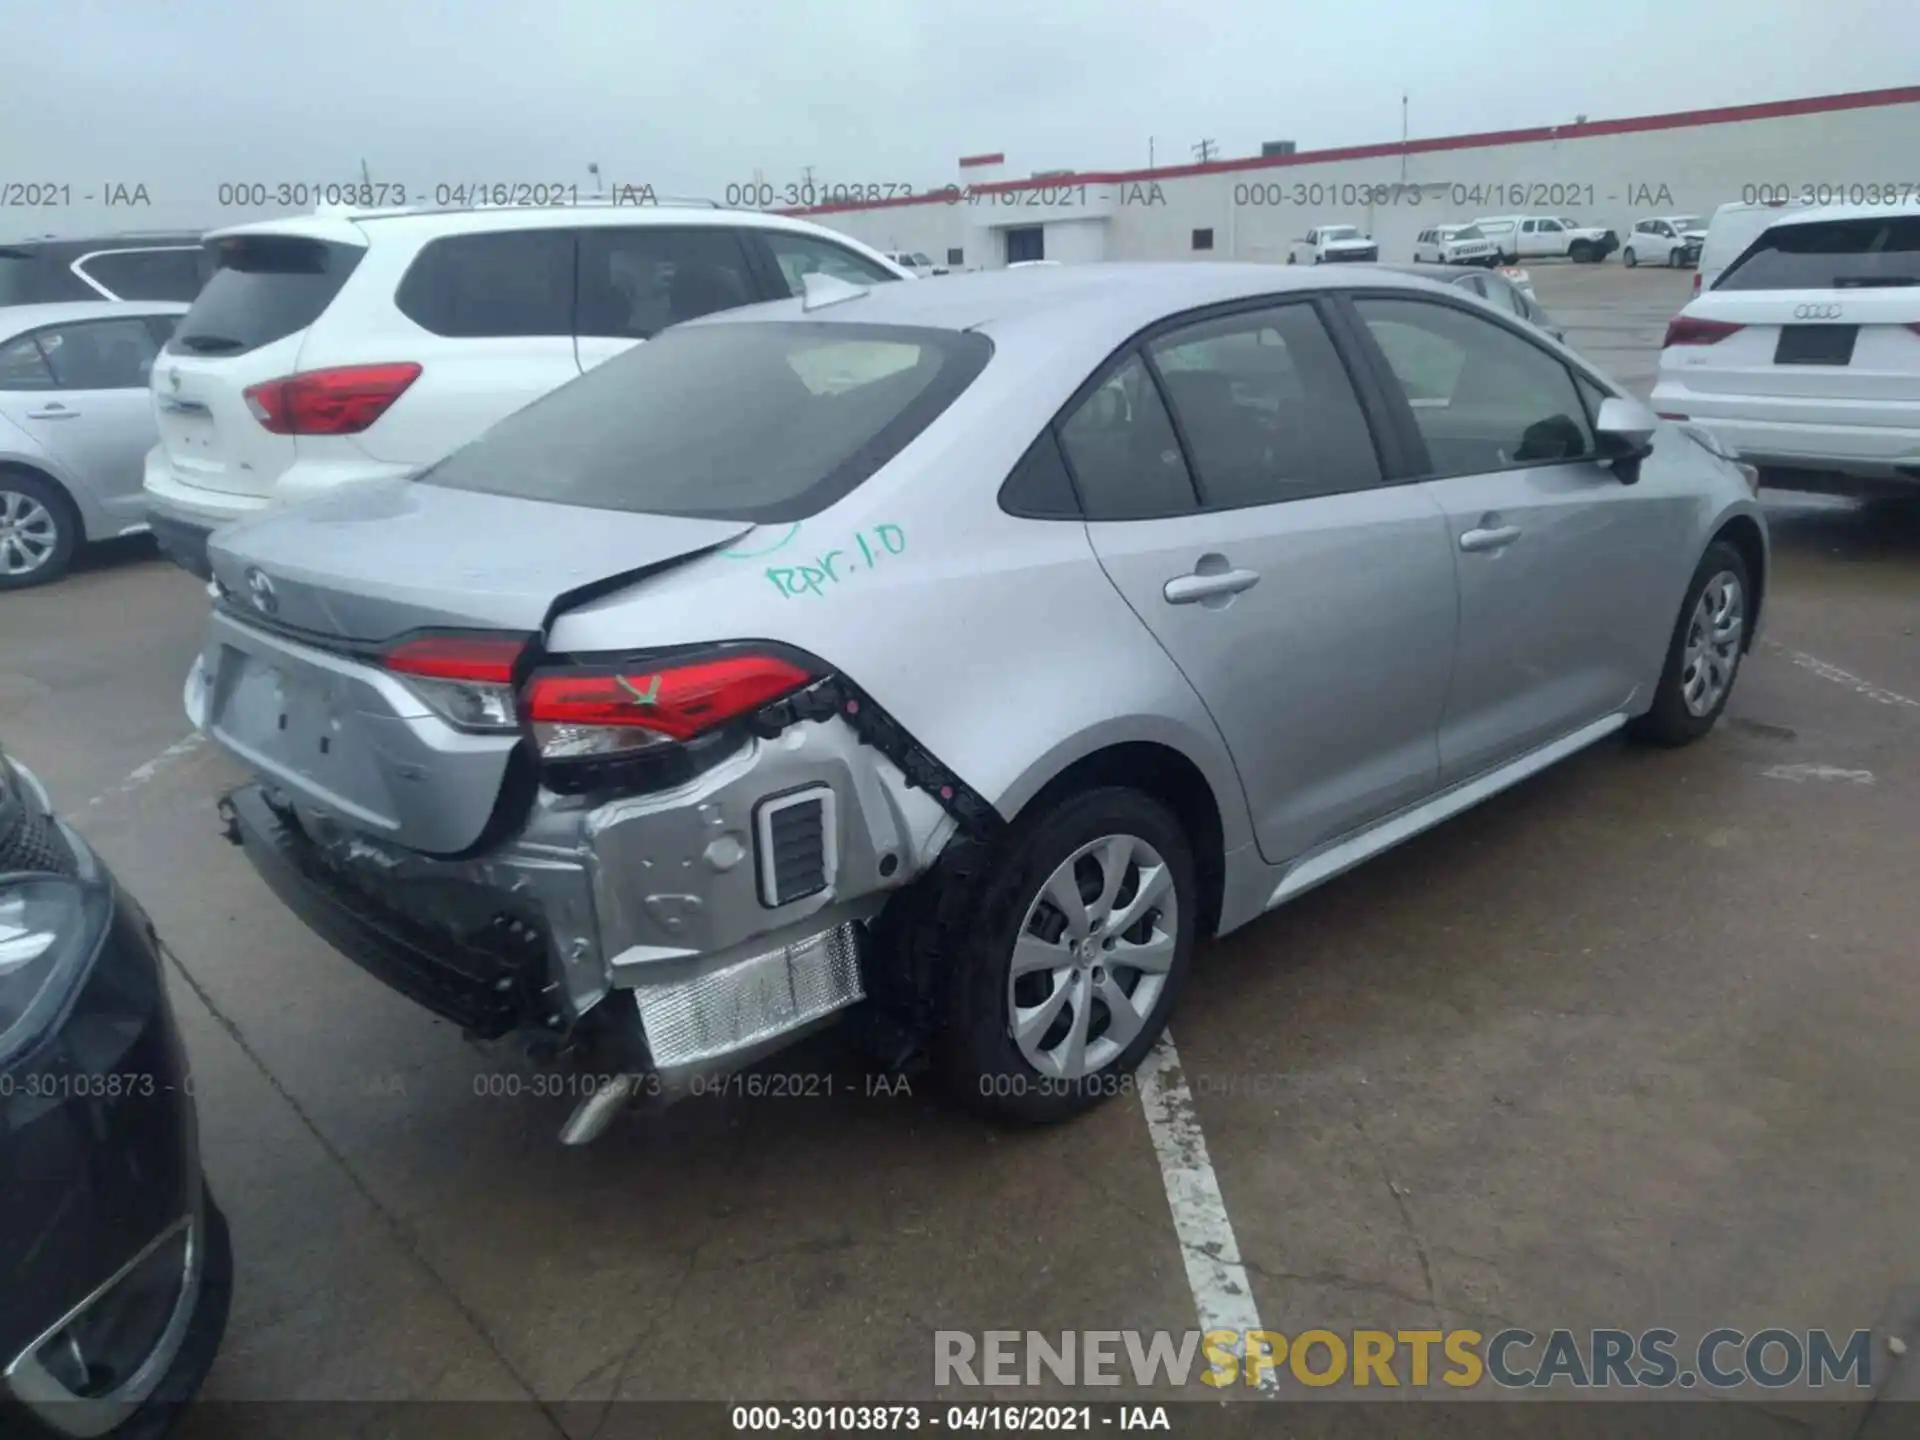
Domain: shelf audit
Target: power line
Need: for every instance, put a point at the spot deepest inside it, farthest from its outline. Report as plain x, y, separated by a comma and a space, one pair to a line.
1205, 151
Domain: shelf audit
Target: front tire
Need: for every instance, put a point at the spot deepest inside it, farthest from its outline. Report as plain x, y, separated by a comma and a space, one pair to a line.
1581, 253
1075, 938
1703, 657
39, 530
1677, 257
1628, 258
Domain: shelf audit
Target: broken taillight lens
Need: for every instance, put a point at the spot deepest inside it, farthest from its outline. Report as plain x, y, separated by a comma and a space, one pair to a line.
466, 678
580, 713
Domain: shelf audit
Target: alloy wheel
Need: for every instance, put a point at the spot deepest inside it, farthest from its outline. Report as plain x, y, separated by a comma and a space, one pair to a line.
28, 533
1712, 651
1092, 956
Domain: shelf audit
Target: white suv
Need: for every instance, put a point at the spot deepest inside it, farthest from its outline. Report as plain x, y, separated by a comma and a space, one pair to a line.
1805, 354
356, 345
1454, 245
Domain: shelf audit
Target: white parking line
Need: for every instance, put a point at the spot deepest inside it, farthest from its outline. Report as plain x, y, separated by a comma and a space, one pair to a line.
1842, 677
141, 774
1221, 1296
1797, 773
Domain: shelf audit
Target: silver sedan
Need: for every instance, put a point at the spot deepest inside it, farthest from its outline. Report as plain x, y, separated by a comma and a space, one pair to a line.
76, 422
954, 656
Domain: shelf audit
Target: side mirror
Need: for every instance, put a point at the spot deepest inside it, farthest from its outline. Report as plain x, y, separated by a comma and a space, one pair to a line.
1623, 433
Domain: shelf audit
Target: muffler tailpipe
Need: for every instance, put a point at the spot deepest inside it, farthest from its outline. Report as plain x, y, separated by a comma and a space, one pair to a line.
593, 1114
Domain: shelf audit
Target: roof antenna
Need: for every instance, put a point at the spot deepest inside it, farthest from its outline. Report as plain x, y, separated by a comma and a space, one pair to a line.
819, 290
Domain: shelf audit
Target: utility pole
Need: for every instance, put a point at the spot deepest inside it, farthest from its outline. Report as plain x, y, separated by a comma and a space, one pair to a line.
1150, 152
1204, 151
1403, 137
365, 178
806, 177
593, 169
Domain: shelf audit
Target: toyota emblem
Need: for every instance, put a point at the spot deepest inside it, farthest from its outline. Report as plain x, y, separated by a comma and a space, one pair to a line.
260, 590
1816, 312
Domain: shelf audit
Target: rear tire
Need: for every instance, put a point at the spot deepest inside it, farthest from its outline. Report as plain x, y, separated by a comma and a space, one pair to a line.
1046, 1041
1703, 657
39, 530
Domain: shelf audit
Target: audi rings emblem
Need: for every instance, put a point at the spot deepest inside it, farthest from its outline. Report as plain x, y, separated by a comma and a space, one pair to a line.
1816, 312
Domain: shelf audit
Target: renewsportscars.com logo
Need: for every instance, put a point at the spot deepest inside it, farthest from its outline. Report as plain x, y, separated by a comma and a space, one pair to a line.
1723, 1359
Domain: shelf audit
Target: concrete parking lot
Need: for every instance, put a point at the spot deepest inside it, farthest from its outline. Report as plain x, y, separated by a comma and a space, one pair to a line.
1636, 1044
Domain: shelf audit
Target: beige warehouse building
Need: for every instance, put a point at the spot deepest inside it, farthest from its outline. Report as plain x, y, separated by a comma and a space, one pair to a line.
1857, 147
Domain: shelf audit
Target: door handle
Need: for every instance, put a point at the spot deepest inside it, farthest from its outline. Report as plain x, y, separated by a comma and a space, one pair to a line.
1186, 589
1491, 539
54, 412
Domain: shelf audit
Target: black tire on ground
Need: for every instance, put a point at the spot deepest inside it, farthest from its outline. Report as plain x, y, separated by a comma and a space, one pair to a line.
1581, 253
970, 920
66, 521
1293, 259
1677, 257
1628, 258
1669, 722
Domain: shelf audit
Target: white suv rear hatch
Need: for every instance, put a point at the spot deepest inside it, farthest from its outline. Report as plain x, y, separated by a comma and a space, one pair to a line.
1808, 347
246, 328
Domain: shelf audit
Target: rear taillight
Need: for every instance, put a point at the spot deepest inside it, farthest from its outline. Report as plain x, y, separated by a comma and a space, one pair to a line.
467, 679
580, 713
1691, 330
340, 401
1696, 282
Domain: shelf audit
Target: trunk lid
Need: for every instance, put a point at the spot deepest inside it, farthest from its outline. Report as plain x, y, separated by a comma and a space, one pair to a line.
369, 562
290, 680
271, 282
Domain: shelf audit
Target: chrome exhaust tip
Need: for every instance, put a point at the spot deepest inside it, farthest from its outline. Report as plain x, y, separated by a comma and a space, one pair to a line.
593, 1114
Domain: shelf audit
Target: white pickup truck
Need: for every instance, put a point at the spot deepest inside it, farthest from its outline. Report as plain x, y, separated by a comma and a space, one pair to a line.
1325, 244
1539, 237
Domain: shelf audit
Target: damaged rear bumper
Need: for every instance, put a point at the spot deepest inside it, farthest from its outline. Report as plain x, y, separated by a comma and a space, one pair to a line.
678, 935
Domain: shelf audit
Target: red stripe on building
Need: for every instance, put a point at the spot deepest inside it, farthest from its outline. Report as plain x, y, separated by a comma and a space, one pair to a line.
1678, 120
969, 161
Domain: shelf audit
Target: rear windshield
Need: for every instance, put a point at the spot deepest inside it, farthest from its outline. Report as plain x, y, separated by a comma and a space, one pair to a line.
763, 422
263, 288
1467, 232
1830, 255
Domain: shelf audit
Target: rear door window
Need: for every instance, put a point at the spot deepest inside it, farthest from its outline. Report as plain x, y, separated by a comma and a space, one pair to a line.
1872, 252
1266, 408
172, 274
263, 288
636, 281
735, 421
512, 282
99, 354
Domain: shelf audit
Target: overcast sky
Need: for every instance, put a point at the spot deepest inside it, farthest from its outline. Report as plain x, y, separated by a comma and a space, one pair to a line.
181, 95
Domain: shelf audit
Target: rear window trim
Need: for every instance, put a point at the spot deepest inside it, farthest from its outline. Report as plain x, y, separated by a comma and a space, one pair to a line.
967, 354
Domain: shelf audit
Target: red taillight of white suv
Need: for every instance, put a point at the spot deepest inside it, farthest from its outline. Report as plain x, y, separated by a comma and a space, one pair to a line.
1691, 330
341, 401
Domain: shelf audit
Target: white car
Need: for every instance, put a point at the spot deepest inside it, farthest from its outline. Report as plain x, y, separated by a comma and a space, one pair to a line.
1326, 244
1730, 231
1528, 237
915, 263
333, 348
1673, 240
1453, 245
1805, 355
